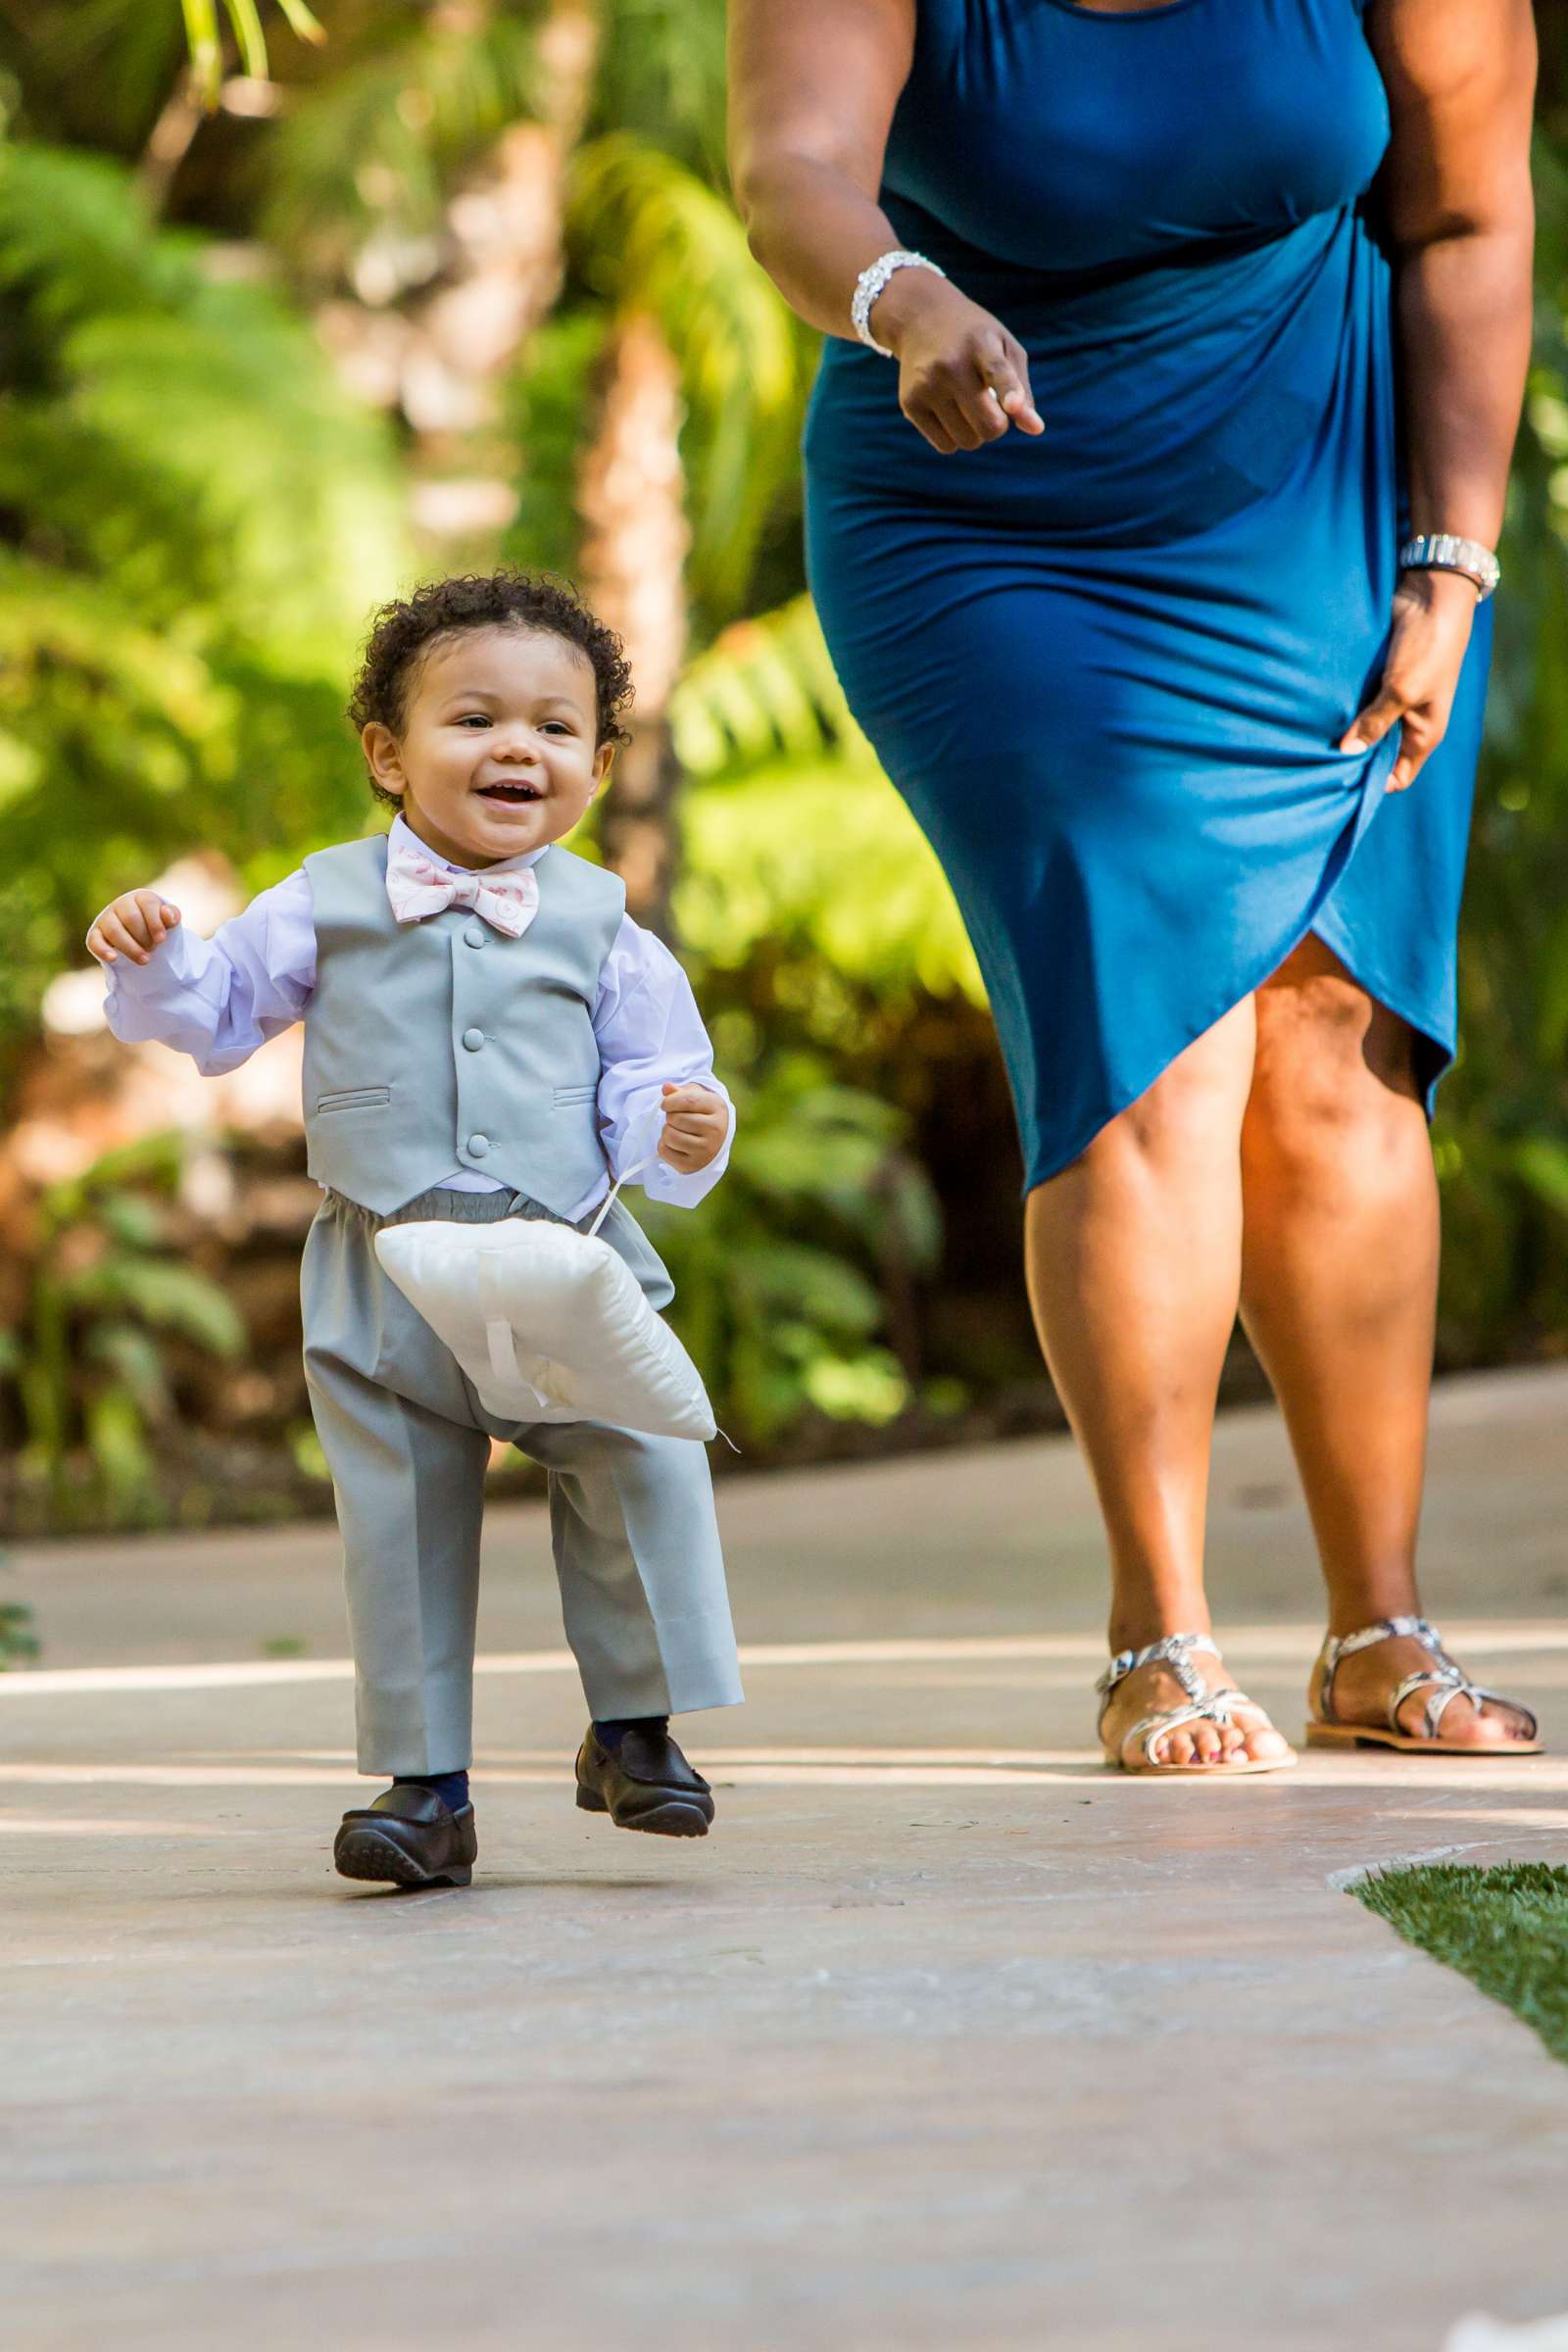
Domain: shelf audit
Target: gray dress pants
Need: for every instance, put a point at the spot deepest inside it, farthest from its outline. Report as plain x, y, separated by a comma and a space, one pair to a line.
406, 1441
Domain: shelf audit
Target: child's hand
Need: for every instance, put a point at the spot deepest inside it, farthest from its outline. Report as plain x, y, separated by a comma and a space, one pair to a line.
133, 925
696, 1124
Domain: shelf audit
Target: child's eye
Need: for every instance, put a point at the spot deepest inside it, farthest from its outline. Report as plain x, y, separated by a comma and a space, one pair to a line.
558, 726
474, 718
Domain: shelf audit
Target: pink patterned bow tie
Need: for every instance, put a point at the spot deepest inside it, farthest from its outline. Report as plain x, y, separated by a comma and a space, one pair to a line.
418, 887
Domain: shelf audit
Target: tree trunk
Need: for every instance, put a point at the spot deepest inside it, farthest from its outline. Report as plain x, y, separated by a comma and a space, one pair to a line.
632, 499
441, 361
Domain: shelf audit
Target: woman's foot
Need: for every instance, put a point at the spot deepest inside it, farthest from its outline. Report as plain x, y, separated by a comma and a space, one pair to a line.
1365, 1678
1165, 1684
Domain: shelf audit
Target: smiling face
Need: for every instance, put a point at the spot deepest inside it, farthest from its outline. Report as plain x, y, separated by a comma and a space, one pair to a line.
499, 749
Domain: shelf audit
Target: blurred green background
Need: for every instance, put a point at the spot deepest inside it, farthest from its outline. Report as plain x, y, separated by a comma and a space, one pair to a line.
297, 309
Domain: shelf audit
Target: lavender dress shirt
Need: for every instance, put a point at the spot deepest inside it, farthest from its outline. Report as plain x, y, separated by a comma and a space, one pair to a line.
218, 998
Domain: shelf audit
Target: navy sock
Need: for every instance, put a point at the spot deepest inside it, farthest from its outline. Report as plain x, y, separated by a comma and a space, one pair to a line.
611, 1732
452, 1788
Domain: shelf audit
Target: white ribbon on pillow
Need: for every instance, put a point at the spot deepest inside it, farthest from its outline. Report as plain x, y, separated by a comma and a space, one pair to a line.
500, 1343
641, 1148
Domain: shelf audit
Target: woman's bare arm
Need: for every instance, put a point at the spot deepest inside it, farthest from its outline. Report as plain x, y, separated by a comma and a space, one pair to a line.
812, 88
1460, 76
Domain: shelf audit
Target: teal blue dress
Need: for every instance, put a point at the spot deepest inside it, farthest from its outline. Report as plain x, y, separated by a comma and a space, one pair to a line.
1107, 668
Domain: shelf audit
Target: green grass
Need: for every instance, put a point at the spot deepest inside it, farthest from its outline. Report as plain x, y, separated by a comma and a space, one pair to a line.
1506, 1928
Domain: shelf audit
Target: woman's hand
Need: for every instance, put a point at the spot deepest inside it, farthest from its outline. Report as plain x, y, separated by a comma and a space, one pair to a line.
1433, 613
133, 925
962, 378
696, 1124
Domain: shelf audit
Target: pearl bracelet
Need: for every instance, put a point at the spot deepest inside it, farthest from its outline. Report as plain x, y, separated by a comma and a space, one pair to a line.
869, 284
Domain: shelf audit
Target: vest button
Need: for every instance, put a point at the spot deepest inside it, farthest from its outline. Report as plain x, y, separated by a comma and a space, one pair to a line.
475, 936
478, 1146
473, 1039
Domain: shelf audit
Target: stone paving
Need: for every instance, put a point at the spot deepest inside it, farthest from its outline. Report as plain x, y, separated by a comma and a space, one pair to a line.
945, 2037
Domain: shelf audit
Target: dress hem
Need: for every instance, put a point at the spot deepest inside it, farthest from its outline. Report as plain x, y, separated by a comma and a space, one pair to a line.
1038, 1173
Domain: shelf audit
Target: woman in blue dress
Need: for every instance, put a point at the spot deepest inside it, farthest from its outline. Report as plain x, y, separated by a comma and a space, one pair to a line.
1153, 477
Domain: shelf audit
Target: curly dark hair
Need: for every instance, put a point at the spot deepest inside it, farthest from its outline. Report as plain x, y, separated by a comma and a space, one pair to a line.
403, 632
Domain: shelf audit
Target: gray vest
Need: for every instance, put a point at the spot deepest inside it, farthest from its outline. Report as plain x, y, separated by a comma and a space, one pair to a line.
441, 1044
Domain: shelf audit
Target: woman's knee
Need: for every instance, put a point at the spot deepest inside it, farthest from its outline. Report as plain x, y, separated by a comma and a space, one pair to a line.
1334, 1069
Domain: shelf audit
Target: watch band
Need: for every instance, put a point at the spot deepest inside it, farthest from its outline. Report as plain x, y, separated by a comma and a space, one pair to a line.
1444, 551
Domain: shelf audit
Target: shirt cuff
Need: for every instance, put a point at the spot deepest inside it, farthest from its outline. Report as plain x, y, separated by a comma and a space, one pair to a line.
162, 1001
677, 1190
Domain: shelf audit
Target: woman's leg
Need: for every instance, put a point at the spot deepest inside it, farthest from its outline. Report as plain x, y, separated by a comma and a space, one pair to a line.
1134, 1268
1339, 1297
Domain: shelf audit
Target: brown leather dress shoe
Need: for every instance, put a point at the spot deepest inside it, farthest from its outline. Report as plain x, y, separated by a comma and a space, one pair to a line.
408, 1837
643, 1782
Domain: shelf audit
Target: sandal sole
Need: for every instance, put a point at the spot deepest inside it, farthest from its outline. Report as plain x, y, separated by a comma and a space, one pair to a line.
1404, 1744
1200, 1772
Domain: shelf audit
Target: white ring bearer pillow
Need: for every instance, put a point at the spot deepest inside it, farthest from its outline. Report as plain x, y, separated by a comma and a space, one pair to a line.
550, 1324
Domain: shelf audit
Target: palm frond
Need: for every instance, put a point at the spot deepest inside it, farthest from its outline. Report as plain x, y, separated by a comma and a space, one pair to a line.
167, 1296
764, 689
290, 478
127, 53
204, 34
132, 1355
52, 621
647, 233
76, 242
663, 77
825, 860
218, 398
196, 518
379, 146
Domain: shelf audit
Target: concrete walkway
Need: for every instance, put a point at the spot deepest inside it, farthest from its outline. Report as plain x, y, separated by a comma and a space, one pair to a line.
945, 2037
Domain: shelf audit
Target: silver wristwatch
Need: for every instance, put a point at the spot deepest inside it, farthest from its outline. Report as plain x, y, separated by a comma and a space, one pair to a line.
1441, 551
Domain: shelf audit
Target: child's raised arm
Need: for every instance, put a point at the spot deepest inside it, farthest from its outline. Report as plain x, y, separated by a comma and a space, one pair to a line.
214, 998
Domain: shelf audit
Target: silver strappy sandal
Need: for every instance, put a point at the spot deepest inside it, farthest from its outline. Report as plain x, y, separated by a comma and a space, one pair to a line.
1445, 1682
1205, 1704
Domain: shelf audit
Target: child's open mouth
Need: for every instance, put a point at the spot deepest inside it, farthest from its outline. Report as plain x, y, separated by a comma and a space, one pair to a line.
511, 794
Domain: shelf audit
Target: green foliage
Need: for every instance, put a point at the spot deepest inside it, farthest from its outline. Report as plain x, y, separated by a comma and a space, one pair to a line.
414, 99
549, 420
823, 928
85, 1364
1502, 1127
1506, 1928
98, 69
193, 520
369, 156
766, 691
18, 1644
781, 1277
203, 32
648, 234
661, 78
824, 866
181, 435
796, 848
